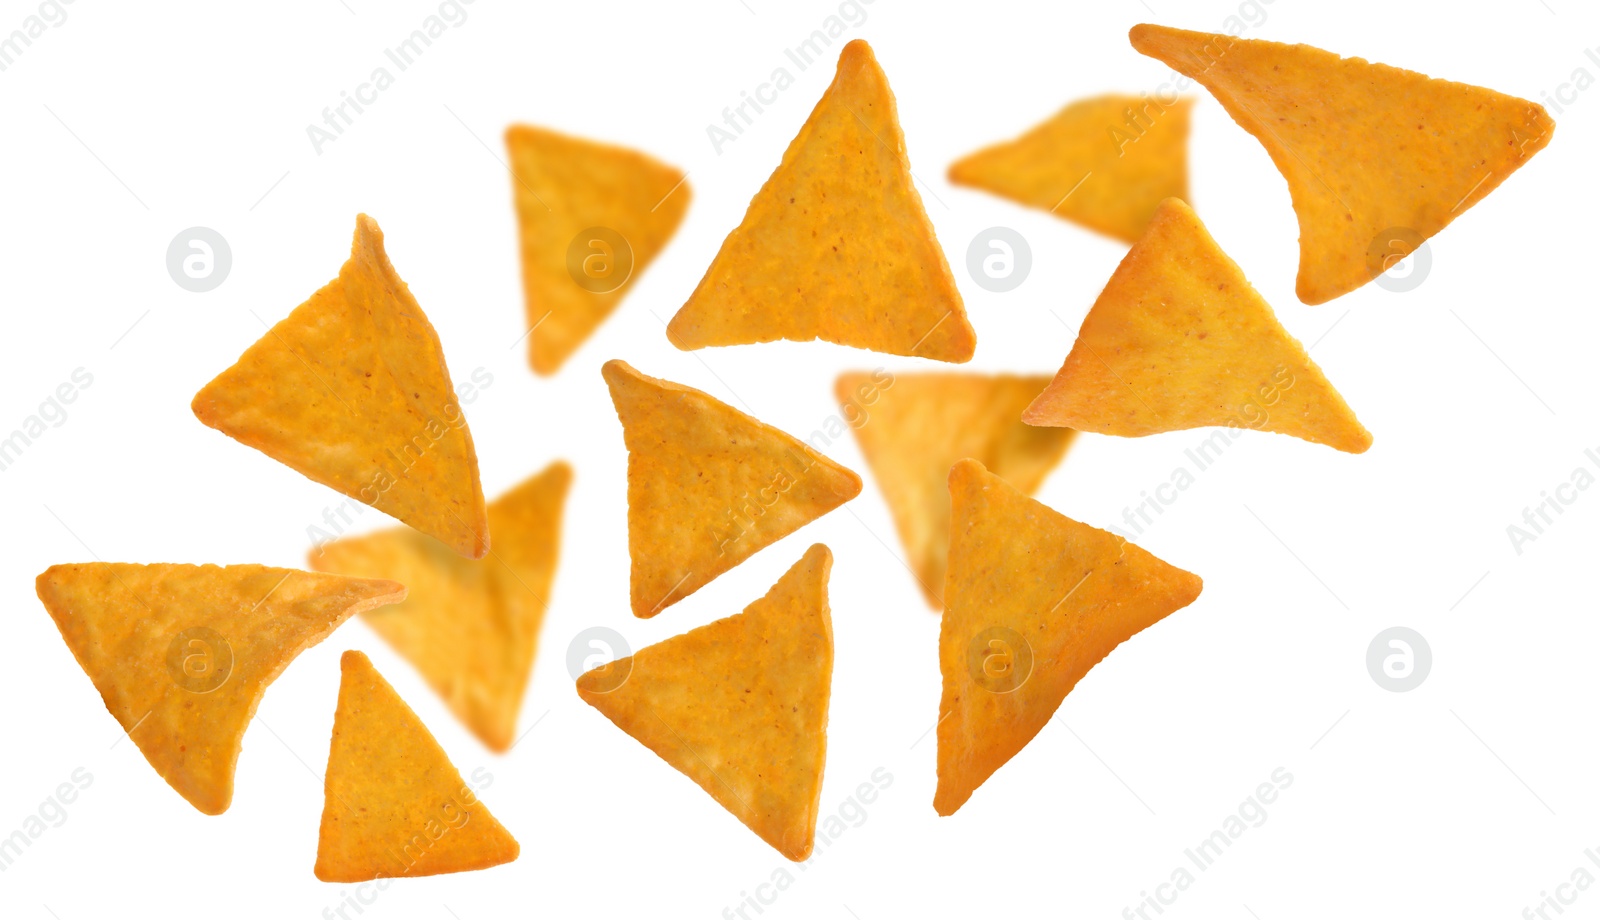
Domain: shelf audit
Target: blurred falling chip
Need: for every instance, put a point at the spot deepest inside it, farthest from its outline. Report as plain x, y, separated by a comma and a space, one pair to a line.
1104, 163
470, 626
913, 427
592, 216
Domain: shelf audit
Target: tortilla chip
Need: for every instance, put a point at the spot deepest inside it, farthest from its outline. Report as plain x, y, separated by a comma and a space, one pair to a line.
351, 391
912, 427
1034, 600
563, 186
740, 706
1377, 159
394, 806
181, 654
1179, 339
836, 246
1104, 163
471, 626
708, 486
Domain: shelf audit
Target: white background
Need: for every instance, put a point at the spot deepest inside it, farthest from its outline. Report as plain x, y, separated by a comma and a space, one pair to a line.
1465, 797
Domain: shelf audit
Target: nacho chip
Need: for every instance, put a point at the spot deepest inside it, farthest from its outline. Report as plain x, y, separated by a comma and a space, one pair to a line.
351, 391
836, 246
1104, 163
708, 486
912, 427
1377, 159
740, 706
564, 186
1033, 600
1179, 339
181, 654
471, 626
394, 806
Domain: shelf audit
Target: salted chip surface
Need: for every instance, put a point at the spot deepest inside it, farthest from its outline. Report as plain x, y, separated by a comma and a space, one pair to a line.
351, 391
912, 427
1378, 159
708, 486
1104, 163
740, 705
592, 216
1179, 339
836, 246
1033, 600
394, 805
181, 654
470, 626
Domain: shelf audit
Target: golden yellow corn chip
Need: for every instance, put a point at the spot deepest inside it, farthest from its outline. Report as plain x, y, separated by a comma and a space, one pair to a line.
740, 706
351, 391
471, 626
1033, 600
912, 427
394, 805
181, 654
1377, 159
1179, 339
836, 246
708, 486
565, 187
1104, 163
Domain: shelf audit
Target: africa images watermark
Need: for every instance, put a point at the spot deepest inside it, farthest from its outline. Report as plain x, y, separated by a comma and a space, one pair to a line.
452, 815
1580, 80
1252, 813
336, 118
748, 509
52, 413
49, 14
741, 518
806, 52
1248, 15
199, 659
851, 813
602, 651
341, 516
852, 410
1539, 518
52, 813
1253, 414
1566, 893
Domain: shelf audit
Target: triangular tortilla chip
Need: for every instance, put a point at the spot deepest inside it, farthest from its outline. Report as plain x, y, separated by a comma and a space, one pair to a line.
708, 486
563, 186
1179, 339
181, 654
836, 246
394, 805
351, 390
1367, 149
471, 626
1104, 163
740, 706
1033, 600
912, 427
